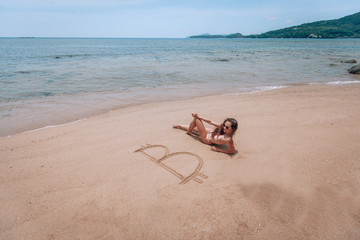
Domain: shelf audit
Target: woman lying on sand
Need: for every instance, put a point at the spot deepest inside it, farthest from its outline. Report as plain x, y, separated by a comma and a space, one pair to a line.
221, 135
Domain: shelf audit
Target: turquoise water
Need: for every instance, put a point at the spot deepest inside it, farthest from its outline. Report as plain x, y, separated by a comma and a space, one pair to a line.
47, 81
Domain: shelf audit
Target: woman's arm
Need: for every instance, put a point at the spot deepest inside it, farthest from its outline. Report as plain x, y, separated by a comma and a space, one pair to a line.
231, 149
195, 115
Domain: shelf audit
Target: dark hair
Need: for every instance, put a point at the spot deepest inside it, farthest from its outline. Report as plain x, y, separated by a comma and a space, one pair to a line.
220, 130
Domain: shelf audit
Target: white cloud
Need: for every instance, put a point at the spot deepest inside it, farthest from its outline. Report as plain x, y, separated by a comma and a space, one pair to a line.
270, 18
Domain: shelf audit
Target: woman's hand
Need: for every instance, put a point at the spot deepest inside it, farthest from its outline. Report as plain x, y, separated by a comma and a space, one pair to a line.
195, 115
228, 151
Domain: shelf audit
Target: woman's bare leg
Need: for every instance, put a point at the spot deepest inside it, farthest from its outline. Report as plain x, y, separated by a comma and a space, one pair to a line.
191, 127
182, 127
200, 128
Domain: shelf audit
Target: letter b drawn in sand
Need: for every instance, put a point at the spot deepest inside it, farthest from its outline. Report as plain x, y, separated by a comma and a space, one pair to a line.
167, 155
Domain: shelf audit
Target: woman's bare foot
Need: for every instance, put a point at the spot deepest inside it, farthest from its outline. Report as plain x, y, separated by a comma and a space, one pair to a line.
182, 128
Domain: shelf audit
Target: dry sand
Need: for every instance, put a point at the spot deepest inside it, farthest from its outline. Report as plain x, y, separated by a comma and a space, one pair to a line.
296, 173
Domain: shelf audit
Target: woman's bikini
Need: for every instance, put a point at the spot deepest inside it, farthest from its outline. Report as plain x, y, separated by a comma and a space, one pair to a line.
216, 138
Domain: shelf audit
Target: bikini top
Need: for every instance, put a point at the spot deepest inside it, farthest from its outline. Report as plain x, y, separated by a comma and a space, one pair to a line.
221, 137
216, 138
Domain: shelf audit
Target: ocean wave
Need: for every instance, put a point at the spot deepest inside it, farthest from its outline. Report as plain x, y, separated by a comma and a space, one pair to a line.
342, 82
258, 89
266, 88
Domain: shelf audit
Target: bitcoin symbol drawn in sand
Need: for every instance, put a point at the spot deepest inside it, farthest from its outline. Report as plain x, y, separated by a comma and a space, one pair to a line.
167, 155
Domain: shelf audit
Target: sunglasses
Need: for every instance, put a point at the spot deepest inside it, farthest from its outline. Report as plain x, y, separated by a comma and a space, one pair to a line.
227, 127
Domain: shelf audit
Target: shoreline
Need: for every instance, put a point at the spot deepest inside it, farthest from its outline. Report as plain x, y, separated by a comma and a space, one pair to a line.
113, 107
73, 114
295, 173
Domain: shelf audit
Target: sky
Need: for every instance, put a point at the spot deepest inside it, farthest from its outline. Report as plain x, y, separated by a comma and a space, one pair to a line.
161, 18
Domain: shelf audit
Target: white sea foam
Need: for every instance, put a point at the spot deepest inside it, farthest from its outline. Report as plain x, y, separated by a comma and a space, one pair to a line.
252, 90
342, 82
267, 88
50, 126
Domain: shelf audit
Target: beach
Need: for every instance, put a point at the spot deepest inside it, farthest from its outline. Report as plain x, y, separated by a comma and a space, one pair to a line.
295, 173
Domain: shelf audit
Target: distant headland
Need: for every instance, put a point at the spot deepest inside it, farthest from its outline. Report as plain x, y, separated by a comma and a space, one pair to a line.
346, 27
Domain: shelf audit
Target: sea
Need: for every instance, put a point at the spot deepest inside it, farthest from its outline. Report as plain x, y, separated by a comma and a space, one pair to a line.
45, 82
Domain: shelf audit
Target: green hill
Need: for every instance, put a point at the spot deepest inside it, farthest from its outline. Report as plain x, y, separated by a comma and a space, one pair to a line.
346, 27
234, 35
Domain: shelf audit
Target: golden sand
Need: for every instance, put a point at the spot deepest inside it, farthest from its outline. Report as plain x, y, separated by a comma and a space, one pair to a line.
295, 175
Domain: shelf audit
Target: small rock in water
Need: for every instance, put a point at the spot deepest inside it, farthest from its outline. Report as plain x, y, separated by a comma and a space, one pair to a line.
349, 61
222, 60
